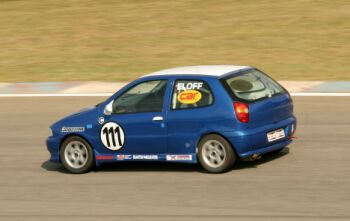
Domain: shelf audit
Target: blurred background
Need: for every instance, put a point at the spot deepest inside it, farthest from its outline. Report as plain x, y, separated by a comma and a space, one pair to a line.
109, 40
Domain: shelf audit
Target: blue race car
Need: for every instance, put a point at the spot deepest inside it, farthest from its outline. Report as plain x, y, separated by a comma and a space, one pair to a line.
213, 115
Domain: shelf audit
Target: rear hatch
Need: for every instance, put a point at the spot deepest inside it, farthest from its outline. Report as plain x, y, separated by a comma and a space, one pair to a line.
267, 102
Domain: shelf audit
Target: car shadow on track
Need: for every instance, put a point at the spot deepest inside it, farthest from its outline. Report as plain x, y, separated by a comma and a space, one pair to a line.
165, 166
264, 159
56, 167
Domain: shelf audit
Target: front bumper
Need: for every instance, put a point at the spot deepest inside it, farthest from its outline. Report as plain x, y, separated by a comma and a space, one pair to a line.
53, 146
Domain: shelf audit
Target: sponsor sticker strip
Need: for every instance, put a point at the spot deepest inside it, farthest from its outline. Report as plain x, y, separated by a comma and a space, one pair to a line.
124, 157
121, 157
72, 129
101, 157
145, 157
178, 157
127, 157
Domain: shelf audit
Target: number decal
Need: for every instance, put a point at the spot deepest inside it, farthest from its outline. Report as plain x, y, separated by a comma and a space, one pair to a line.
112, 136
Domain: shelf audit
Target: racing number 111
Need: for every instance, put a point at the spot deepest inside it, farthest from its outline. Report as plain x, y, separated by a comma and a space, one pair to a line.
110, 132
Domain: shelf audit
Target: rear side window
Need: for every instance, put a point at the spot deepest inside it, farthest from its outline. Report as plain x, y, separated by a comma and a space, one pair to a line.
253, 85
189, 94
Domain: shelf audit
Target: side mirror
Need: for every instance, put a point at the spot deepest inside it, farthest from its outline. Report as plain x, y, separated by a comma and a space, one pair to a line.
108, 109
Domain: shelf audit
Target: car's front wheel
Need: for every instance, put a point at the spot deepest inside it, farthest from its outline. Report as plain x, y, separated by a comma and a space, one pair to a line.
76, 155
215, 154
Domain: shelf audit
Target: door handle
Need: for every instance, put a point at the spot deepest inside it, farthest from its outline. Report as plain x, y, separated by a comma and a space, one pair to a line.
158, 118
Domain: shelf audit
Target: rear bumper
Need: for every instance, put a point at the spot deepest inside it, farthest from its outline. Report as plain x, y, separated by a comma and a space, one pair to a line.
254, 141
266, 149
53, 144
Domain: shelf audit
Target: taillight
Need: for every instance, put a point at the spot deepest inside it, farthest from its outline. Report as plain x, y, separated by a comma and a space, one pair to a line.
242, 111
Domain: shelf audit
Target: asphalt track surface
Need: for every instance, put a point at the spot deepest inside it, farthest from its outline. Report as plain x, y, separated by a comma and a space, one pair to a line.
310, 180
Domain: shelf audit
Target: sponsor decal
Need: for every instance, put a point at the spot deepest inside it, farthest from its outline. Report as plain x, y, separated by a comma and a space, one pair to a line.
101, 157
124, 157
145, 157
112, 136
72, 129
189, 86
178, 157
89, 126
189, 97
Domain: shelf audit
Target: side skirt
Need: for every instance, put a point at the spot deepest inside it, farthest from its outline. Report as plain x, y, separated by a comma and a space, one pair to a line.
176, 158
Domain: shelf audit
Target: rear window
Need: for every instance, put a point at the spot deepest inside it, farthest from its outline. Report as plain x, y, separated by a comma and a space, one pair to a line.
253, 85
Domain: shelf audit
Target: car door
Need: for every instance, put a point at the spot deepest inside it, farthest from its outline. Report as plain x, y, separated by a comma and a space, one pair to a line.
137, 122
191, 109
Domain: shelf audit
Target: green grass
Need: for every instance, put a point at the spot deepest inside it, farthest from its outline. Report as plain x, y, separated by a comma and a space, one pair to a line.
57, 40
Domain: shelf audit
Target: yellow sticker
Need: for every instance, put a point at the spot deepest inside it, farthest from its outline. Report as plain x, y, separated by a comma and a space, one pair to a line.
189, 97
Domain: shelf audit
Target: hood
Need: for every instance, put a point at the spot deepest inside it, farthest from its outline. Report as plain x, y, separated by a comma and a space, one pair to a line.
79, 118
82, 111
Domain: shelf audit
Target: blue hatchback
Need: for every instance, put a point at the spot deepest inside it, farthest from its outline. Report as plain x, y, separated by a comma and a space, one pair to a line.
213, 115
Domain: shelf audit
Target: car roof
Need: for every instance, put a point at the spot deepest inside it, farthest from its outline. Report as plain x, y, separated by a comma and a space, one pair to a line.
208, 70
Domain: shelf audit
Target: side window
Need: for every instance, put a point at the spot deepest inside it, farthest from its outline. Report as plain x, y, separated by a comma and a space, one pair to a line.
144, 97
189, 94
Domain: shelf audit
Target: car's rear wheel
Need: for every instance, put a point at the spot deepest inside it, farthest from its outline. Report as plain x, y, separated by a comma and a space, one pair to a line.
215, 154
76, 155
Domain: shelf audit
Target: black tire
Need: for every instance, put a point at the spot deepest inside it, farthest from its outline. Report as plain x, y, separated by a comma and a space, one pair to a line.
225, 160
75, 144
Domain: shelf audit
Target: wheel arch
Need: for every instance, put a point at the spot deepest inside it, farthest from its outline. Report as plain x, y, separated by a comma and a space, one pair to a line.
216, 133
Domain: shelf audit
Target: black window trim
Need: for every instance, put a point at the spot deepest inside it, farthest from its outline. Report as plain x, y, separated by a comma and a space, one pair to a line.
164, 103
191, 108
239, 73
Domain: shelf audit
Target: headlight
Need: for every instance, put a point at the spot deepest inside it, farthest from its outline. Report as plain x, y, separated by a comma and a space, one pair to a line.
50, 133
